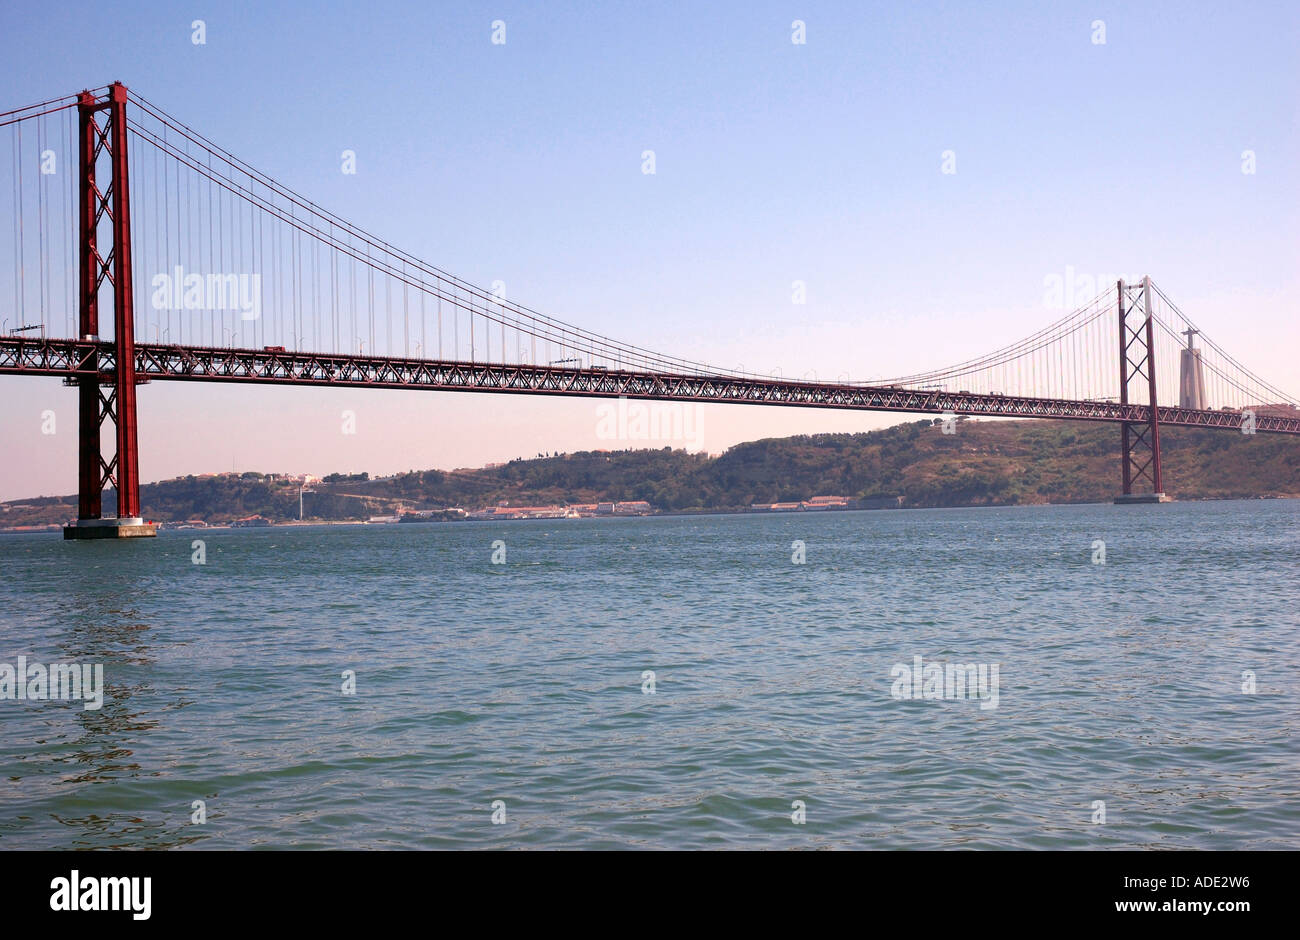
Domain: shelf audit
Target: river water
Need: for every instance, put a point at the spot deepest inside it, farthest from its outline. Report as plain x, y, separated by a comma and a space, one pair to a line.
675, 682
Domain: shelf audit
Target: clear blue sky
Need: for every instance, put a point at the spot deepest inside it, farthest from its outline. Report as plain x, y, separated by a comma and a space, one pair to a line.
775, 162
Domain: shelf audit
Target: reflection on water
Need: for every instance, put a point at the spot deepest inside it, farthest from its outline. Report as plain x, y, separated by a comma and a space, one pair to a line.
77, 751
523, 683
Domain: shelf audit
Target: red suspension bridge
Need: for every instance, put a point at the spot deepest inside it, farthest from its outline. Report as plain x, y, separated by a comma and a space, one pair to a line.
293, 294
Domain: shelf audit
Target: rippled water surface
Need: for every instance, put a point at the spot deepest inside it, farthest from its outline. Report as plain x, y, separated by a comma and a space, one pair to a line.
523, 683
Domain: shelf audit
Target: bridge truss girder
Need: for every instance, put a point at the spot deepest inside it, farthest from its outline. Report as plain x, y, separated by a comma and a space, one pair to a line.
74, 358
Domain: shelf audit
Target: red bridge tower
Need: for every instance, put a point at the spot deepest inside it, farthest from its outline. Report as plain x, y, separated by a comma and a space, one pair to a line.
1139, 440
106, 403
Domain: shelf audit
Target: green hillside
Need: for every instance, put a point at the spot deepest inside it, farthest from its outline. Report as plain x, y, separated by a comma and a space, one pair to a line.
985, 463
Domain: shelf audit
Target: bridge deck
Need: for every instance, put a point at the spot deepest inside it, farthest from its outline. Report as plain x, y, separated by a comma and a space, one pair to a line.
70, 358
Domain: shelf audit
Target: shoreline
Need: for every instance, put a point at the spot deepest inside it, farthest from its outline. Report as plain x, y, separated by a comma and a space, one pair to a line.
55, 528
